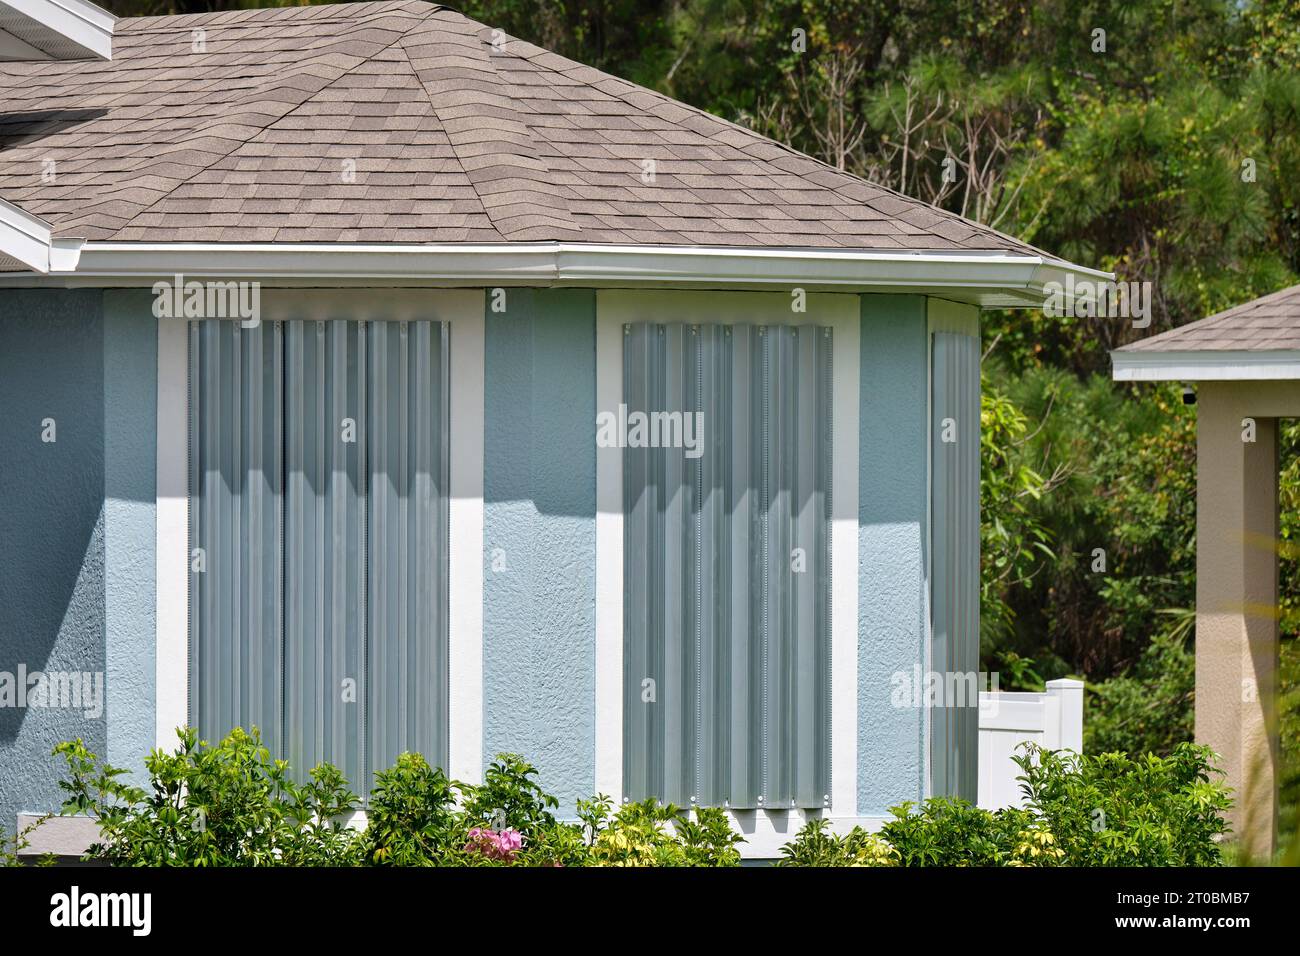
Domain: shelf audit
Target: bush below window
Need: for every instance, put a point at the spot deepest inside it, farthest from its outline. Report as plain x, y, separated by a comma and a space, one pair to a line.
232, 804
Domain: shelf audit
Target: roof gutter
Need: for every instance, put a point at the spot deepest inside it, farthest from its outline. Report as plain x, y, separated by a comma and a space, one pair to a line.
24, 237
991, 279
62, 29
1205, 365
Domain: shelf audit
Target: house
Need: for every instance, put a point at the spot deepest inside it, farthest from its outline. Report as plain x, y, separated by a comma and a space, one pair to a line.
1245, 365
388, 383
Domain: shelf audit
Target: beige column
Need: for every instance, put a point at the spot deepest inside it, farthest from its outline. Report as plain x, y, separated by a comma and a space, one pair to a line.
1237, 594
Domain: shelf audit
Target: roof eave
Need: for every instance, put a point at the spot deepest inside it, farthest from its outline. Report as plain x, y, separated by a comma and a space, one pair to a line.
58, 30
991, 280
25, 237
1204, 365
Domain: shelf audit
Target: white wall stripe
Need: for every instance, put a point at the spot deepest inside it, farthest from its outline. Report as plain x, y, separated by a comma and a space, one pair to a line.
171, 594
465, 310
609, 564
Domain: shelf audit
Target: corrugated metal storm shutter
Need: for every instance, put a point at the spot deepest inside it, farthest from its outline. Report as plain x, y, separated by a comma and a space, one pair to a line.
954, 730
408, 495
727, 567
236, 521
319, 497
324, 569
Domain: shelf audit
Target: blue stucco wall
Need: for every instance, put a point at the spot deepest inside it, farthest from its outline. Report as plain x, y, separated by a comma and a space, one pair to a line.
51, 526
539, 587
892, 507
77, 532
76, 526
130, 462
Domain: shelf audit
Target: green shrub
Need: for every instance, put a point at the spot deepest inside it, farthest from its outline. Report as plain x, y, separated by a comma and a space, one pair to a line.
1109, 810
945, 832
233, 805
223, 805
652, 834
1115, 810
510, 799
412, 816
817, 845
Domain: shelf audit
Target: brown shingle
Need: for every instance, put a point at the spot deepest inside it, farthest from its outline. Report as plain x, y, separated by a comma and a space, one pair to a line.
1269, 323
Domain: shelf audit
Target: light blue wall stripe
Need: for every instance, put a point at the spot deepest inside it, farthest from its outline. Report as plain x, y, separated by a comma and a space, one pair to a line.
539, 613
891, 547
130, 458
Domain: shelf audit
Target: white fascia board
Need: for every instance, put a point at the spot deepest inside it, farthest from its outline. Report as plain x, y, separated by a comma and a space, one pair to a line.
989, 279
24, 237
1205, 366
66, 29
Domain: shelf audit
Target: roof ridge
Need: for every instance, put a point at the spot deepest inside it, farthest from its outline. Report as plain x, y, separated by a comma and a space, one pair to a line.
508, 191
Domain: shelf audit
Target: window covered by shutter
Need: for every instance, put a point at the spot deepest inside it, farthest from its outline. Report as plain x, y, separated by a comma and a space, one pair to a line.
319, 492
727, 564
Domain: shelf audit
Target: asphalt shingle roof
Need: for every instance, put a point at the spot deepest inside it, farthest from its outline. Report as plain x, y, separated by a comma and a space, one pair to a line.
400, 121
1269, 323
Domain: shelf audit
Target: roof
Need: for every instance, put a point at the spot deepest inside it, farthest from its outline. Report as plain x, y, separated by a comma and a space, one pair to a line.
399, 122
1263, 324
1257, 340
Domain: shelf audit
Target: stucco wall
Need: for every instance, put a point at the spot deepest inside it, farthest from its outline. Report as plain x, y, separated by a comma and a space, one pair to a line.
539, 536
77, 532
51, 525
892, 507
130, 460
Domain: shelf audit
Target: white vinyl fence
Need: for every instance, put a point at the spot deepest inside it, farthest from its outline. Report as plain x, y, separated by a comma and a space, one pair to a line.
1053, 720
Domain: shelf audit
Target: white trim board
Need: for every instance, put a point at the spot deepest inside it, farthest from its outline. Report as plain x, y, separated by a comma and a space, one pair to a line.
989, 279
463, 309
614, 308
1206, 366
62, 29
465, 554
24, 237
172, 536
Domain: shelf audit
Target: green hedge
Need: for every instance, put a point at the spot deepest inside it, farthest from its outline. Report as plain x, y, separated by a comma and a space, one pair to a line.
232, 804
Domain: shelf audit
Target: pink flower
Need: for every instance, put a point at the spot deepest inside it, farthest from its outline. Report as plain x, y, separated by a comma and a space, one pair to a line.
493, 845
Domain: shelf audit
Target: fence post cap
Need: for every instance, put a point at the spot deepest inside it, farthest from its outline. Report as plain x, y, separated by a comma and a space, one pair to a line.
1065, 683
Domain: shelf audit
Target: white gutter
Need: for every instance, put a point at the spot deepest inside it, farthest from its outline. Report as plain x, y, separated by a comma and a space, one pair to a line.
24, 237
1205, 365
61, 29
992, 279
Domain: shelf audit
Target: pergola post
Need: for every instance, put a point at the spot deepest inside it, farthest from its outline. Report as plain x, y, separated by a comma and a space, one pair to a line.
1237, 603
